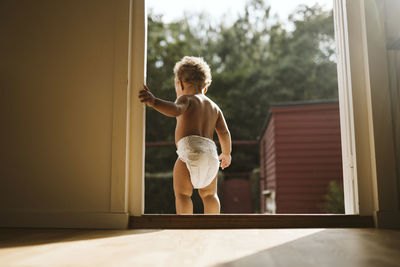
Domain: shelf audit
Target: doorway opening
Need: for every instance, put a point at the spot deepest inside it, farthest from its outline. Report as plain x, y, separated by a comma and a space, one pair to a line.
272, 79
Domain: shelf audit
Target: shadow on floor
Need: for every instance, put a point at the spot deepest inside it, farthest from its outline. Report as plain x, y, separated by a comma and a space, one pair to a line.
16, 237
332, 247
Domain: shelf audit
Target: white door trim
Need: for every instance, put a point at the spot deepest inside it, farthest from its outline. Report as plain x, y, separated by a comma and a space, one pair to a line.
136, 110
119, 179
346, 108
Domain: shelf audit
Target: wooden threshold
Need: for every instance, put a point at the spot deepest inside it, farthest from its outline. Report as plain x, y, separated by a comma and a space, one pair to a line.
235, 221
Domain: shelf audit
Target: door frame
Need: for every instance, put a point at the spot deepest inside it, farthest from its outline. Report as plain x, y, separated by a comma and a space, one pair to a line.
354, 105
136, 119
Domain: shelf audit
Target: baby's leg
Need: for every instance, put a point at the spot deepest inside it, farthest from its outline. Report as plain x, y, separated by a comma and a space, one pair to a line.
210, 198
183, 188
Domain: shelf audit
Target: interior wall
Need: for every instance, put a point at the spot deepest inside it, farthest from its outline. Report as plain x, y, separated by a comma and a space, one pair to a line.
365, 85
384, 138
392, 22
58, 83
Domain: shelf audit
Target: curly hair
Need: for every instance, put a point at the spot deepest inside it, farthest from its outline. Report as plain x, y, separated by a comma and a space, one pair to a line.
193, 70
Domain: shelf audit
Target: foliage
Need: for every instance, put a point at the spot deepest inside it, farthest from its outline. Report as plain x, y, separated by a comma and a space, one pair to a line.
334, 199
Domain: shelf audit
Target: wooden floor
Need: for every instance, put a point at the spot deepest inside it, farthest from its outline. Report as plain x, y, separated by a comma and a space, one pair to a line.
342, 247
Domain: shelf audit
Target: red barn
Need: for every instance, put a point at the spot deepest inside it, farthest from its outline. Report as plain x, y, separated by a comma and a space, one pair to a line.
236, 196
300, 153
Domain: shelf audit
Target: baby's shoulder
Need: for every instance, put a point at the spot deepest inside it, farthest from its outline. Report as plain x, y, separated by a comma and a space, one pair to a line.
183, 98
202, 102
213, 104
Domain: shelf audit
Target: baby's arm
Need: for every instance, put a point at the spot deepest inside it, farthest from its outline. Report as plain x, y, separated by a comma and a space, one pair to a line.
170, 109
224, 137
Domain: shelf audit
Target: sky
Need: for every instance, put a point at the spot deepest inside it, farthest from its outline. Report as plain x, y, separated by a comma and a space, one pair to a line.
174, 9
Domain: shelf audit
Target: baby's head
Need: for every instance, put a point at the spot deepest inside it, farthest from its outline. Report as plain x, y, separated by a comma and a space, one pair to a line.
193, 71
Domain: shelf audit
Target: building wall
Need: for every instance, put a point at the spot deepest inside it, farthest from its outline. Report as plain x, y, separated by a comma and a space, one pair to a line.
236, 196
307, 155
63, 80
267, 165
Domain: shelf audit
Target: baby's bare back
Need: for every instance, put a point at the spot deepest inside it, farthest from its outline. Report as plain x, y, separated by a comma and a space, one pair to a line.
199, 119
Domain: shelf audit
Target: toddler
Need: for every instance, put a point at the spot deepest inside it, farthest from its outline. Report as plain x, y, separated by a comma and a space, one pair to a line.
197, 117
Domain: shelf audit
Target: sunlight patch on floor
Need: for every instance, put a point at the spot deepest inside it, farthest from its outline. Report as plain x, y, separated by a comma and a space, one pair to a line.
152, 248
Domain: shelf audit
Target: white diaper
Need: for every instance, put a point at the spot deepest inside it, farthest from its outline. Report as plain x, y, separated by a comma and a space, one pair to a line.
201, 158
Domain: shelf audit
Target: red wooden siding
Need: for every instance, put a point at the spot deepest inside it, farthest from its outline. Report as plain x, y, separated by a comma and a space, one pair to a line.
300, 155
267, 158
236, 196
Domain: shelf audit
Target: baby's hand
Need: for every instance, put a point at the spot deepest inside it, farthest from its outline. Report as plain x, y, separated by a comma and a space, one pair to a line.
225, 160
146, 96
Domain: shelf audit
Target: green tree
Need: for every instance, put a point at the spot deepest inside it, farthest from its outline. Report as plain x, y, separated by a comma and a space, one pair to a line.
334, 199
